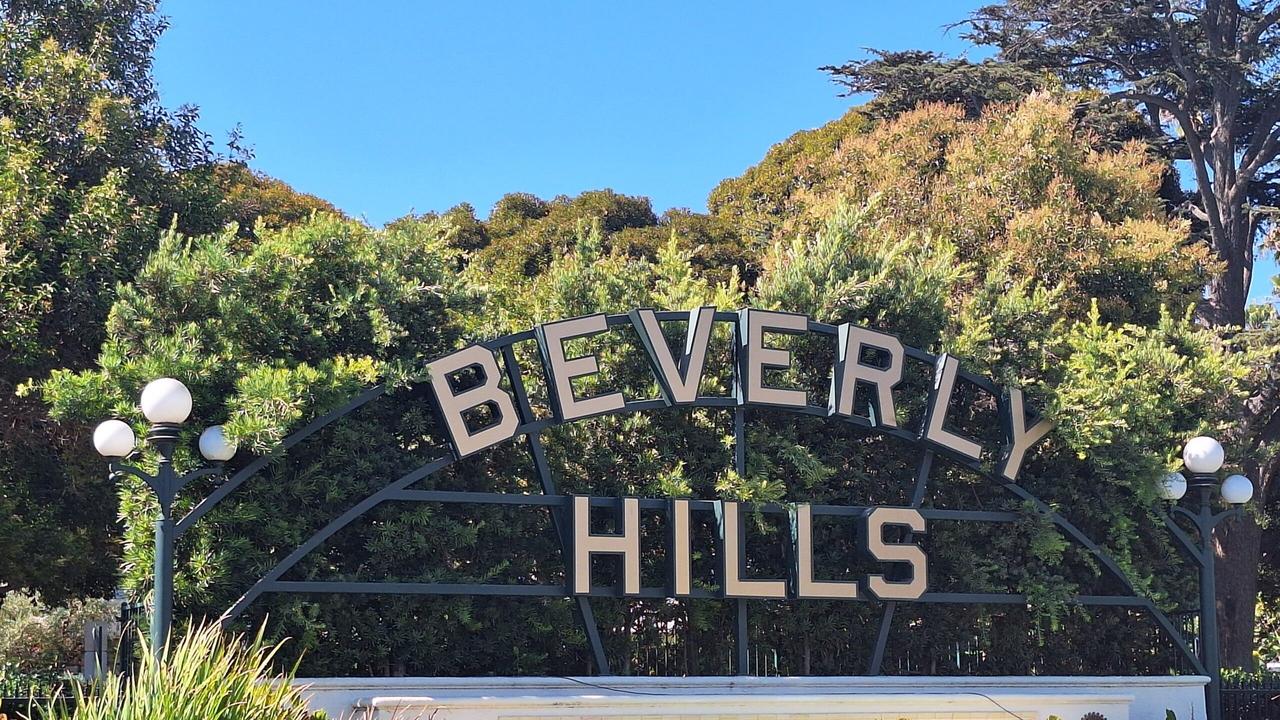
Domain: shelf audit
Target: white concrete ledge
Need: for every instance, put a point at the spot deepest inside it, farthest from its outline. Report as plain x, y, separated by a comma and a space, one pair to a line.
752, 698
862, 705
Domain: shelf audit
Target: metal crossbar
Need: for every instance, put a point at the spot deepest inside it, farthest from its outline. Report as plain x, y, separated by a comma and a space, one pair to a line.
530, 431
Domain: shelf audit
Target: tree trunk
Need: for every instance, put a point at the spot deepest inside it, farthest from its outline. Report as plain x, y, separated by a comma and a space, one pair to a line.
1239, 545
1239, 551
1227, 296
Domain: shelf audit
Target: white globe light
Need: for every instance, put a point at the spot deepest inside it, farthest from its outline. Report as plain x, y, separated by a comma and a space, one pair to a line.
166, 401
1203, 455
114, 439
215, 445
1237, 489
1173, 486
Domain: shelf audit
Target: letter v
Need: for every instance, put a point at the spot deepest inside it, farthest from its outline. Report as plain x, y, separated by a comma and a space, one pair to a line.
679, 380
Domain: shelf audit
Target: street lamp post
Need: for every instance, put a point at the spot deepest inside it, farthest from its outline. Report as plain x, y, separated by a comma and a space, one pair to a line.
1202, 458
166, 403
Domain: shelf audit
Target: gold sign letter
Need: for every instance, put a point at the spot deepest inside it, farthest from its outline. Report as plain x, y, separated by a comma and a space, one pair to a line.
944, 385
1020, 438
753, 357
680, 550
850, 370
452, 405
896, 552
561, 370
806, 586
732, 545
679, 379
585, 544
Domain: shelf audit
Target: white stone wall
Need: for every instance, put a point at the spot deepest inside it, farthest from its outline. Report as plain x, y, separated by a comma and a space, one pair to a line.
751, 698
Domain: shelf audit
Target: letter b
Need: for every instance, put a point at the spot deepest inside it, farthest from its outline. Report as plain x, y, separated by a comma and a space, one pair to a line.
453, 405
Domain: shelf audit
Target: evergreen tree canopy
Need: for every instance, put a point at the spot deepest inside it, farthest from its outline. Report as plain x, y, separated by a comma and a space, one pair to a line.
1018, 184
987, 238
1203, 75
90, 167
901, 80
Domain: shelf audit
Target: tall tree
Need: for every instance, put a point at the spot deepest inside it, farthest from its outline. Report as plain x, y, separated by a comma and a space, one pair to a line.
92, 168
1204, 75
901, 80
89, 172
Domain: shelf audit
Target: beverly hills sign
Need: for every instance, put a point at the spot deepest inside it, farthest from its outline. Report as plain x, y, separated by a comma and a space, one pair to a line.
484, 413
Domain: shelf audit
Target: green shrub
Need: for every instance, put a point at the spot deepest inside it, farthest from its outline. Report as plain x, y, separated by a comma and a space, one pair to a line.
36, 638
1266, 632
16, 682
207, 675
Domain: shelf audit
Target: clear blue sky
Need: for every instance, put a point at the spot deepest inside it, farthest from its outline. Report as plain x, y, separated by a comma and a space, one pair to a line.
384, 108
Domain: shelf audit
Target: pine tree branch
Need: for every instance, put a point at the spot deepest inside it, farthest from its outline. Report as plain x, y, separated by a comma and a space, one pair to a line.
1258, 153
1196, 148
1175, 49
1256, 29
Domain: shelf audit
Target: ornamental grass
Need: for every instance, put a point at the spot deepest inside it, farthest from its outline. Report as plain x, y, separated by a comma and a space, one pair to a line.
207, 675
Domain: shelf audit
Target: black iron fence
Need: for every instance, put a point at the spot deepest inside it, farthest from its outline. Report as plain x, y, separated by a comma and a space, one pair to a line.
1251, 698
14, 685
21, 694
22, 691
663, 639
25, 708
127, 653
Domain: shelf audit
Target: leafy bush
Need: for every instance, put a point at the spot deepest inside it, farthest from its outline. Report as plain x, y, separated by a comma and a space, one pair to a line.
1267, 631
36, 638
206, 675
18, 683
1019, 186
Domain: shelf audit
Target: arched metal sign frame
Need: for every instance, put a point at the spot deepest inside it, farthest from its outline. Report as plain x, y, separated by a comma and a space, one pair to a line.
530, 430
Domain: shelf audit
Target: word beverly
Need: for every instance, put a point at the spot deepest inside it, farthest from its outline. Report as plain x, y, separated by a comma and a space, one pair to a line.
679, 379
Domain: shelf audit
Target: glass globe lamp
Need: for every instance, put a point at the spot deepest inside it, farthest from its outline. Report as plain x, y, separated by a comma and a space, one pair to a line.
1237, 490
114, 439
166, 401
1203, 455
1173, 486
215, 445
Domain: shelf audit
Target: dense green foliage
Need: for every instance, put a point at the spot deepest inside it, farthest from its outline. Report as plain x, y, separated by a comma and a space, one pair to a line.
1019, 185
92, 168
42, 647
1030, 239
899, 81
36, 638
247, 198
1007, 240
1268, 634
208, 675
1201, 78
267, 338
523, 233
89, 168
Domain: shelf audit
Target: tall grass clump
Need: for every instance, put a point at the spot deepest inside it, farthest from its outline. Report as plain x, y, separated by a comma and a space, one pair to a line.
207, 675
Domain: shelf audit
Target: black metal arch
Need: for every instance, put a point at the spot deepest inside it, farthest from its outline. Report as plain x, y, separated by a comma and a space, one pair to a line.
530, 431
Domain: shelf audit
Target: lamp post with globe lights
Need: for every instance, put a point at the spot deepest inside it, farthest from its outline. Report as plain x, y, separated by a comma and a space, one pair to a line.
166, 403
1202, 458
